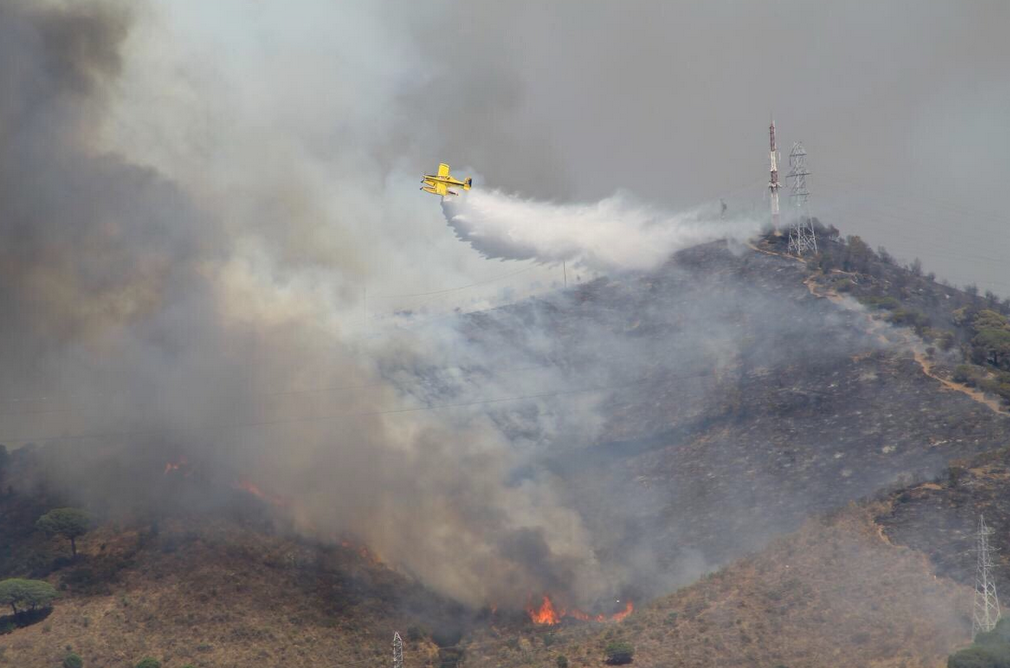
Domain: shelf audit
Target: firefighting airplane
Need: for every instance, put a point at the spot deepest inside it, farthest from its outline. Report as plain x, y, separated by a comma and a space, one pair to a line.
438, 184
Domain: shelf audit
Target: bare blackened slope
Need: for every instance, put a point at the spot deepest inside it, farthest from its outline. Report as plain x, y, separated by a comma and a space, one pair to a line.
742, 403
939, 518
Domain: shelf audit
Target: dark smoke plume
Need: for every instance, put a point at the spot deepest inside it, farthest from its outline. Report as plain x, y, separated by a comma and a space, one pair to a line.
139, 329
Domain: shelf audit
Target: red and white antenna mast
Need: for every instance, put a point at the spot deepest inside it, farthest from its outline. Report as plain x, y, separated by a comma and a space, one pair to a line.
773, 183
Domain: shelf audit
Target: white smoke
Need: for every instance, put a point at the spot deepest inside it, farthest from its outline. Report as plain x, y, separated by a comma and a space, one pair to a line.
616, 233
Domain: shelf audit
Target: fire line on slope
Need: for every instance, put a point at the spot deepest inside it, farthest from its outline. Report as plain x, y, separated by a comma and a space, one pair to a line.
548, 614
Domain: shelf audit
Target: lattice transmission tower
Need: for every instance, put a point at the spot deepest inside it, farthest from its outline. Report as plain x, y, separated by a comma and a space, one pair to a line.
986, 611
397, 650
802, 238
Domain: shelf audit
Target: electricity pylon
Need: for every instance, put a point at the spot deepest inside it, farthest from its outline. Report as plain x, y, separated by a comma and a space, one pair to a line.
986, 611
802, 237
397, 650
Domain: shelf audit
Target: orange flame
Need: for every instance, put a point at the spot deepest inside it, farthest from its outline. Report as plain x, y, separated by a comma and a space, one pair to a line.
628, 609
585, 617
180, 465
545, 614
548, 614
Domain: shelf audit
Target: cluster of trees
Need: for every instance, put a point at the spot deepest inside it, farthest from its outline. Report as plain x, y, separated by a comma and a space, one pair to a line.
990, 350
991, 341
982, 320
27, 597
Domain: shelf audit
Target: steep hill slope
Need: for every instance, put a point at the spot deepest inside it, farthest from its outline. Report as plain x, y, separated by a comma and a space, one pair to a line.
939, 518
832, 594
745, 400
225, 592
697, 418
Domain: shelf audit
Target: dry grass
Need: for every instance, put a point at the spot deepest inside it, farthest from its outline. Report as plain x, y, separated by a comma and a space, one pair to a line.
833, 594
223, 596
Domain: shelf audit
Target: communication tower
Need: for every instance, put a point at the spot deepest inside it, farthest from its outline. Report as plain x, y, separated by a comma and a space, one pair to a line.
773, 182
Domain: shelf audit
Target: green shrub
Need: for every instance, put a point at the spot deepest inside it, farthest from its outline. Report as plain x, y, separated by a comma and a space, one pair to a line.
73, 661
1003, 628
561, 661
619, 652
989, 638
965, 373
974, 657
990, 650
148, 662
908, 317
945, 340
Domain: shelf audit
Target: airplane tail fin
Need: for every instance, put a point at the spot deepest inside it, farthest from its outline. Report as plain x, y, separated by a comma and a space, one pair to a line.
466, 184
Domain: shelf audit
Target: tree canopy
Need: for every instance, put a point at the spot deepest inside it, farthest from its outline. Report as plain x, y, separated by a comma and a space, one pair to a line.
23, 595
992, 338
67, 522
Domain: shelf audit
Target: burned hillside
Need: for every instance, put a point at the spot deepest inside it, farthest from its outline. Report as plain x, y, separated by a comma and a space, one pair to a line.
940, 517
694, 412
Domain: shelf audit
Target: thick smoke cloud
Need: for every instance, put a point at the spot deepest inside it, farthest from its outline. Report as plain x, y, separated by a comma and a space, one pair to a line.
203, 205
614, 234
147, 321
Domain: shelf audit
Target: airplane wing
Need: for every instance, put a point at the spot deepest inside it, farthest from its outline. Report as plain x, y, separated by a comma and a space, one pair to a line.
440, 188
443, 169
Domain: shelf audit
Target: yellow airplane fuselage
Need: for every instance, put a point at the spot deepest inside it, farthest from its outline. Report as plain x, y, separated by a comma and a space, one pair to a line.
438, 184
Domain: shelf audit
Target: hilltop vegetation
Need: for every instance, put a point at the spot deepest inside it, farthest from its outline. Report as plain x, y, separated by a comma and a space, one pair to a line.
965, 331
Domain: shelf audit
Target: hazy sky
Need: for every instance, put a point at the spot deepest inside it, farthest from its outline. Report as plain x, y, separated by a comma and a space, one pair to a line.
903, 106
